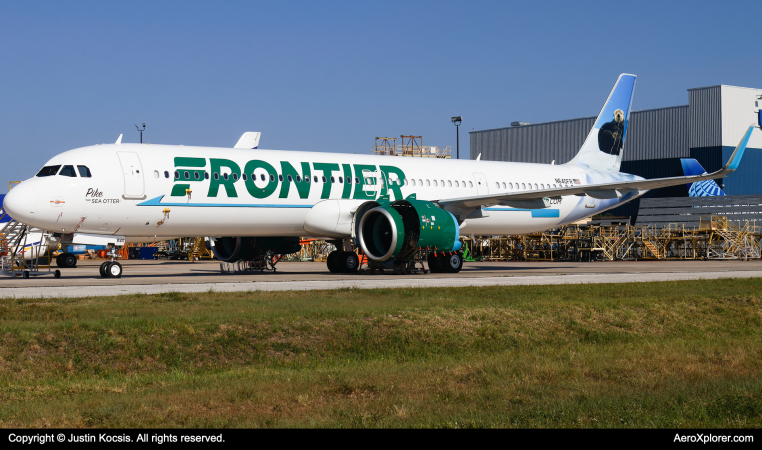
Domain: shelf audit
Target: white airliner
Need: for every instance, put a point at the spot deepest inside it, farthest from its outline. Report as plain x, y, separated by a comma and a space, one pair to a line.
251, 201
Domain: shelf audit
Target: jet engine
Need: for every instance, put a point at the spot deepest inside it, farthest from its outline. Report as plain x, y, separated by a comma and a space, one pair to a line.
244, 248
397, 230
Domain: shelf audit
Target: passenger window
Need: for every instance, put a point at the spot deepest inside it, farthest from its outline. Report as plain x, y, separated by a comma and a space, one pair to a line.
166, 174
413, 180
84, 172
523, 186
341, 180
510, 185
290, 179
405, 181
235, 177
420, 182
261, 177
243, 175
280, 178
449, 183
315, 179
535, 186
435, 182
67, 171
155, 173
272, 177
216, 176
470, 184
306, 179
298, 179
333, 179
357, 180
497, 185
177, 175
456, 183
206, 175
463, 183
187, 175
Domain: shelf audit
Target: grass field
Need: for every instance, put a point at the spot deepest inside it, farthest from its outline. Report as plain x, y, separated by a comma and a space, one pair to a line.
674, 354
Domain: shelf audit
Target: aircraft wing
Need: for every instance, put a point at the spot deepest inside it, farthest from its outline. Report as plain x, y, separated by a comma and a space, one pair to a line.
534, 199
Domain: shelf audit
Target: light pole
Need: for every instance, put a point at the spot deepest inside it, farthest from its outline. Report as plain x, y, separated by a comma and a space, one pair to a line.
456, 121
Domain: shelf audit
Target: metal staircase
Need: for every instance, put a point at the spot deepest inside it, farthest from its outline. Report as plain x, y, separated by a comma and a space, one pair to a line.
19, 256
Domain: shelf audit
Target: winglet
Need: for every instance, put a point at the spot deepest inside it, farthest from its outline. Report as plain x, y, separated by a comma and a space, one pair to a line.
119, 141
735, 158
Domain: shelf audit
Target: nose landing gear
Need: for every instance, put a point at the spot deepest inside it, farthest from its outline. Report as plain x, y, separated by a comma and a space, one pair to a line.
111, 269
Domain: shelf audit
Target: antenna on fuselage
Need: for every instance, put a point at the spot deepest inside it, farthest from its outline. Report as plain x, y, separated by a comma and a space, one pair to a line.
141, 131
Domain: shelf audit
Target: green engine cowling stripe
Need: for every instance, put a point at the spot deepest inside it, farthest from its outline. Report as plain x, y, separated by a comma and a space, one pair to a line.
439, 229
399, 226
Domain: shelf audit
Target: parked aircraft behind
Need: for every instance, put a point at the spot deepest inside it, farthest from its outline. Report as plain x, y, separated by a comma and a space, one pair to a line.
251, 201
706, 188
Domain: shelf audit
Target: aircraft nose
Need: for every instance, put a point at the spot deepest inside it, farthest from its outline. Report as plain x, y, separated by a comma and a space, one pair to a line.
20, 203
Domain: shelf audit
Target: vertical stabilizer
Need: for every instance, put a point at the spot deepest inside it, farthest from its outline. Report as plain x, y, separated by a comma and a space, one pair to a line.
604, 146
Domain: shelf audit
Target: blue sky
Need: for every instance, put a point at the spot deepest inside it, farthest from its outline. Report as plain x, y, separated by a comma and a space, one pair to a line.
331, 76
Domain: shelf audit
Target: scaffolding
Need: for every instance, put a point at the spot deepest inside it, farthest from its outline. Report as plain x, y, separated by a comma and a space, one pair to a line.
410, 146
715, 238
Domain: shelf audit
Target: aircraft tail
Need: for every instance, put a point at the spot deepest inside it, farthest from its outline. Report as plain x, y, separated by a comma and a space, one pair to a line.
604, 145
706, 188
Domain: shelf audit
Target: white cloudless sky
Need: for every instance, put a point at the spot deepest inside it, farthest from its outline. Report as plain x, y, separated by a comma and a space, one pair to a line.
331, 76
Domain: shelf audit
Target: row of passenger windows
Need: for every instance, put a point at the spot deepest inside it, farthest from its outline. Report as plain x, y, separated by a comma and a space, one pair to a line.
187, 175
66, 171
524, 186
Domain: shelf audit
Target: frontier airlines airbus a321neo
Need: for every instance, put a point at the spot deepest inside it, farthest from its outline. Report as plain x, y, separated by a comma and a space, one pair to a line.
250, 201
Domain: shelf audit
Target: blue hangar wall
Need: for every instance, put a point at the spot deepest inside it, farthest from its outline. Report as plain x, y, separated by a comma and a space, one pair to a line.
708, 129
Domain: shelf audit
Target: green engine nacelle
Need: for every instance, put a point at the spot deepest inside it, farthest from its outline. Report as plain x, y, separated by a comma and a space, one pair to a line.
399, 229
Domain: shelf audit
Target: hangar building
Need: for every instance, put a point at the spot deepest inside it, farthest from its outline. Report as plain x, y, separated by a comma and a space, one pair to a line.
708, 129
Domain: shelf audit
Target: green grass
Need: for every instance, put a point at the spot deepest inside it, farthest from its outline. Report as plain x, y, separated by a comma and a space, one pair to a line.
674, 354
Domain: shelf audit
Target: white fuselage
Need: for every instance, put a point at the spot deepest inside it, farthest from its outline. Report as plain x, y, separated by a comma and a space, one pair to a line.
133, 190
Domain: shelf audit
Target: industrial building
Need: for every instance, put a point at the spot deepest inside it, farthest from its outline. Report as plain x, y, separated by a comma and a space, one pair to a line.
708, 129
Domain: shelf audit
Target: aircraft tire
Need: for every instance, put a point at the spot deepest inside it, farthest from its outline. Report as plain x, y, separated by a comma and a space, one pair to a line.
57, 274
68, 260
114, 270
348, 262
435, 264
452, 263
104, 274
331, 262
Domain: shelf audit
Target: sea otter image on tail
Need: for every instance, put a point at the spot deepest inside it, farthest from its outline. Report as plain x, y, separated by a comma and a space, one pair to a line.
611, 134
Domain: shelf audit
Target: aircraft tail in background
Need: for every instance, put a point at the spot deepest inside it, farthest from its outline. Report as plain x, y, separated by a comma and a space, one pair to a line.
604, 145
706, 188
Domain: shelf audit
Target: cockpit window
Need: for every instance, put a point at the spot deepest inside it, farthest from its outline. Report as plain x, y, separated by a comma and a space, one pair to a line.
84, 172
48, 171
67, 171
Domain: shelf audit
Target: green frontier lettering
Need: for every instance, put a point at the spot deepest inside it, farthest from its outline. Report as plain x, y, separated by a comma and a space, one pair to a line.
214, 185
271, 179
394, 186
327, 169
347, 181
183, 172
303, 186
192, 170
360, 193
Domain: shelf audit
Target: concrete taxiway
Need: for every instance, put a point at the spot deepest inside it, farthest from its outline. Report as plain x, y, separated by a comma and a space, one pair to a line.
151, 277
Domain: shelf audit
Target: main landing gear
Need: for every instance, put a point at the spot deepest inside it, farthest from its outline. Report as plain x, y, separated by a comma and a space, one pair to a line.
445, 262
66, 260
343, 262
